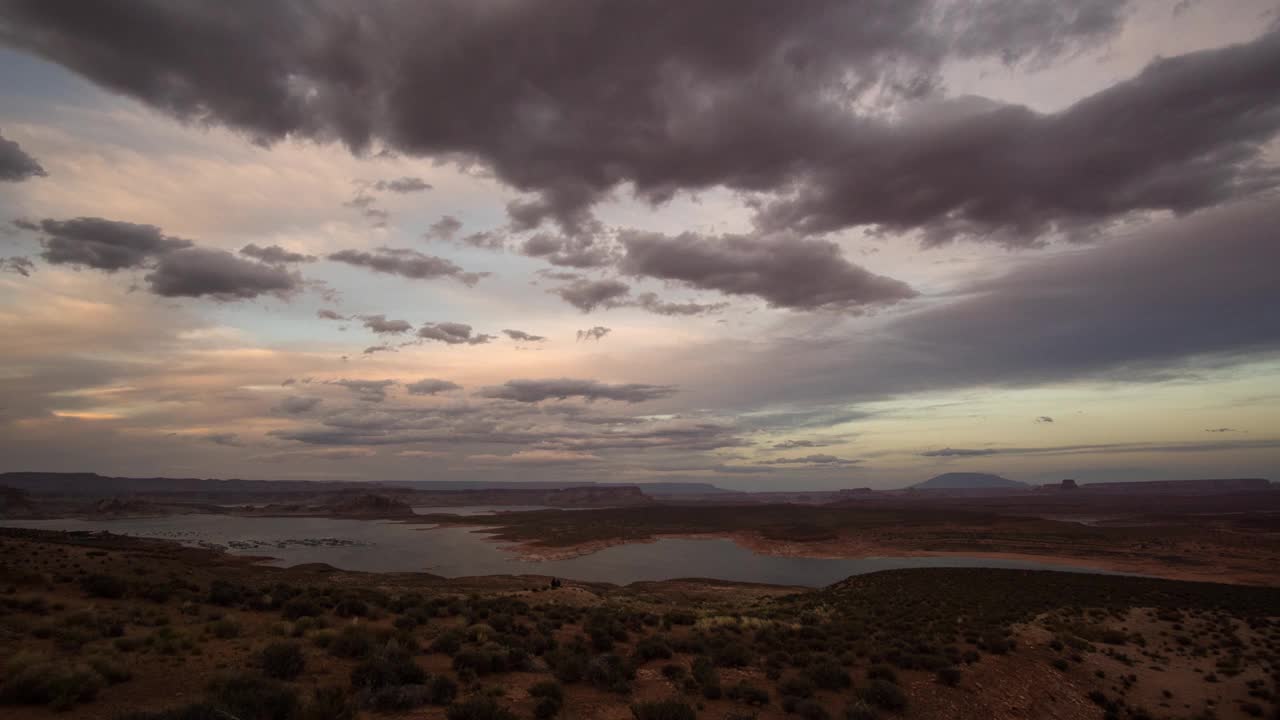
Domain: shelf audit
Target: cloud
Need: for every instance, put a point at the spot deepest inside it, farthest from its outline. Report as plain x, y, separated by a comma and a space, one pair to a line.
579, 252
108, 245
522, 336
199, 272
536, 457
225, 439
274, 254
817, 459
15, 164
587, 295
327, 314
1044, 419
594, 333
406, 263
1220, 430
446, 228
403, 185
793, 444
378, 74
784, 270
20, 265
650, 301
382, 326
374, 349
532, 391
431, 386
452, 333
960, 452
298, 404
367, 390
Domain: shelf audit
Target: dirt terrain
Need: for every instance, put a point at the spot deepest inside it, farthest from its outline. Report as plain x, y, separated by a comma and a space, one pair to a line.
107, 627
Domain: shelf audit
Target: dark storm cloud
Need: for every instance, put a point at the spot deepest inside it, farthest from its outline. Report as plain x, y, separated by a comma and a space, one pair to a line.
522, 336
15, 164
784, 270
406, 263
1170, 300
594, 333
274, 254
102, 244
452, 333
382, 326
20, 265
664, 97
298, 404
403, 185
532, 391
367, 390
431, 386
587, 295
200, 272
650, 301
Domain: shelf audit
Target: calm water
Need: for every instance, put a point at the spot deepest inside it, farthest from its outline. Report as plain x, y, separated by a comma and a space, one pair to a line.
387, 546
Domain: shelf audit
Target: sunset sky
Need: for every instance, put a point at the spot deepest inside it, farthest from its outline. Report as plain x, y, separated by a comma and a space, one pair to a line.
767, 245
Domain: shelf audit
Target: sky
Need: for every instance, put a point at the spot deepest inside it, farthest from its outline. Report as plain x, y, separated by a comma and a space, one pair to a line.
769, 246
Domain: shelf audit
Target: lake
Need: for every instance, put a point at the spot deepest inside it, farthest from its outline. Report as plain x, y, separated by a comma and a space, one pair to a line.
389, 546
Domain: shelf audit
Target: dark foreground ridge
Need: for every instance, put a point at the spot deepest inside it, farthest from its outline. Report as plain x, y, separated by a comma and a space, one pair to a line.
102, 626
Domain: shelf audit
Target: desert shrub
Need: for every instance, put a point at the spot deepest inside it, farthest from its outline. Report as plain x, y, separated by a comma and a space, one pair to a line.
35, 681
611, 673
199, 711
282, 660
328, 703
480, 707
442, 689
744, 692
301, 607
827, 673
859, 710
704, 672
884, 694
387, 669
673, 672
398, 698
224, 628
110, 669
351, 607
679, 617
949, 675
797, 686
663, 710
253, 697
569, 665
448, 642
734, 654
103, 586
652, 648
811, 710
549, 697
882, 672
225, 593
353, 642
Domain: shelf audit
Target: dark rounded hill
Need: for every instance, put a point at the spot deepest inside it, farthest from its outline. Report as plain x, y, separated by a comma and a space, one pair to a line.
967, 481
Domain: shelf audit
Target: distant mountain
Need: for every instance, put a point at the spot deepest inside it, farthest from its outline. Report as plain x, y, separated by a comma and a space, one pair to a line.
967, 481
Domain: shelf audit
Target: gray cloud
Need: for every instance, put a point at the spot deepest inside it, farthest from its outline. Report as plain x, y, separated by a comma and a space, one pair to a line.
793, 444
650, 301
374, 349
960, 452
582, 251
367, 390
15, 164
403, 185
532, 391
587, 295
446, 228
327, 314
406, 263
817, 459
594, 333
382, 326
431, 386
560, 129
522, 336
20, 265
1220, 430
225, 439
452, 333
298, 404
1044, 419
200, 272
102, 244
274, 254
784, 270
